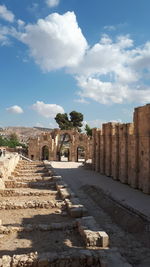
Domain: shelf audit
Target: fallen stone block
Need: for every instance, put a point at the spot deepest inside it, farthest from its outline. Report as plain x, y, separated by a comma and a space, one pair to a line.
91, 233
75, 209
66, 193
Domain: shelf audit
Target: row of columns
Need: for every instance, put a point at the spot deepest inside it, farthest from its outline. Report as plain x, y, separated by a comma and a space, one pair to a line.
122, 151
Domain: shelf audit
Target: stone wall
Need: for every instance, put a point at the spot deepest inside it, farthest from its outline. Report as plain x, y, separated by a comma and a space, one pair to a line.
7, 166
52, 142
122, 151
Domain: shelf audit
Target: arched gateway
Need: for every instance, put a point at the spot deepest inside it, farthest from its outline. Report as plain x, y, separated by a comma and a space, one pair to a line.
60, 145
45, 153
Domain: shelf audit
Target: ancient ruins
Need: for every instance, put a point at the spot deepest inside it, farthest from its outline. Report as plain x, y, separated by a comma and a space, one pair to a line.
71, 220
47, 145
122, 151
43, 222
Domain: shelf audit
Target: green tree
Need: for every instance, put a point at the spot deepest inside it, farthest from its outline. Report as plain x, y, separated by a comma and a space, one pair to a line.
88, 130
75, 121
13, 140
63, 121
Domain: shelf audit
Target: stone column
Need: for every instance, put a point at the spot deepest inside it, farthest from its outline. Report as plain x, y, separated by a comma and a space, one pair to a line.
102, 152
142, 131
107, 127
132, 156
94, 148
115, 152
97, 162
123, 153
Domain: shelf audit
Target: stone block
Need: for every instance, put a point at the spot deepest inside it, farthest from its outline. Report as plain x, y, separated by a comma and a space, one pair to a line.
92, 235
6, 261
66, 193
75, 209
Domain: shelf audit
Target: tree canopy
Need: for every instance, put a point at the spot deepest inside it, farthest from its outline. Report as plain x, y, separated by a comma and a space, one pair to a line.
67, 123
88, 130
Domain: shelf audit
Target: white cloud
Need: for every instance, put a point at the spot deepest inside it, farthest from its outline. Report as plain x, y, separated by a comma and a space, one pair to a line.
110, 27
6, 14
47, 110
55, 42
113, 72
52, 3
15, 109
3, 40
81, 100
108, 93
20, 22
97, 123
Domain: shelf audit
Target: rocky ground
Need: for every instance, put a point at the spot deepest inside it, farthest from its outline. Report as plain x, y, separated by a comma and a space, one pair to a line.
54, 217
29, 203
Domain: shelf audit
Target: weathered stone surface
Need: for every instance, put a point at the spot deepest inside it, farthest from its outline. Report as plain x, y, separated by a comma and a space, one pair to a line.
74, 258
65, 193
75, 209
122, 150
6, 261
51, 140
61, 184
7, 166
6, 230
14, 184
91, 234
26, 205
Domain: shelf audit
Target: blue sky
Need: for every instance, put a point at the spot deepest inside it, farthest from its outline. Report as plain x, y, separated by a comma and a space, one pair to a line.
64, 55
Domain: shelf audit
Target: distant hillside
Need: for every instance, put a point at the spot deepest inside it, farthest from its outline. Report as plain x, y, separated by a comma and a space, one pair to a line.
43, 129
24, 133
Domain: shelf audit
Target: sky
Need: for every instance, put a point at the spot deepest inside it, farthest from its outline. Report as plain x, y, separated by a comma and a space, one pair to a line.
57, 56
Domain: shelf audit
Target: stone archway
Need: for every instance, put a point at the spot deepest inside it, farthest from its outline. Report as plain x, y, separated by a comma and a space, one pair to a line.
45, 153
80, 154
64, 147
